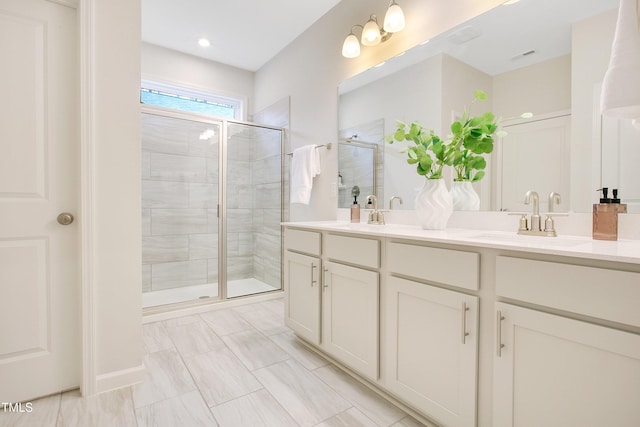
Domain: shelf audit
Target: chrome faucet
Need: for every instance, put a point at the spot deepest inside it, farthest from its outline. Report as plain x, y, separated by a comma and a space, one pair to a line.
395, 198
375, 216
534, 223
549, 226
533, 226
553, 198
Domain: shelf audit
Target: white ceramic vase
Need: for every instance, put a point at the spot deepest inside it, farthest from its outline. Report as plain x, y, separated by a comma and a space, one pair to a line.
464, 196
433, 205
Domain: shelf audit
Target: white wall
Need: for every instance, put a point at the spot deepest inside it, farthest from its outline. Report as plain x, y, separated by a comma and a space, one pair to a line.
169, 66
114, 200
459, 83
311, 67
591, 47
540, 88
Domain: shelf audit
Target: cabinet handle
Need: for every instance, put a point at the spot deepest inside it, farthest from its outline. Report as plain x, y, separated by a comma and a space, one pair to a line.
465, 334
313, 266
324, 279
499, 345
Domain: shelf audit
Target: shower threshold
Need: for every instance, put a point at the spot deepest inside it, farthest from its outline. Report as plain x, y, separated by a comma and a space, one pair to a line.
235, 288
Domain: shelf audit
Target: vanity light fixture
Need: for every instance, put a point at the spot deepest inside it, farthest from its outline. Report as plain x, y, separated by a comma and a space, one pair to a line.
394, 18
372, 34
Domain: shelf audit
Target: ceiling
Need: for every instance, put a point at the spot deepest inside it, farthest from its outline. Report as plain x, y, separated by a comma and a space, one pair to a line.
243, 33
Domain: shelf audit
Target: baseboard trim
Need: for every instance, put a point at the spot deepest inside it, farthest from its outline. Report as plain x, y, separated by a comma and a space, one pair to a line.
120, 379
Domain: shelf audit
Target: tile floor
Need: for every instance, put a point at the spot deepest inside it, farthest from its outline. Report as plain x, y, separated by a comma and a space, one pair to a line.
234, 367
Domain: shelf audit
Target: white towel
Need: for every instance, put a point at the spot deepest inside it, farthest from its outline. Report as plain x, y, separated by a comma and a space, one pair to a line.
305, 165
621, 87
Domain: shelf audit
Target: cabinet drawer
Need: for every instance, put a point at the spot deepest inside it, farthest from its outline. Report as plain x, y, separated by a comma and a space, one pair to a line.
302, 241
598, 292
449, 267
354, 250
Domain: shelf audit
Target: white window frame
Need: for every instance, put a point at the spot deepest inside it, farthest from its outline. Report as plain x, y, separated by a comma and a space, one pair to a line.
237, 103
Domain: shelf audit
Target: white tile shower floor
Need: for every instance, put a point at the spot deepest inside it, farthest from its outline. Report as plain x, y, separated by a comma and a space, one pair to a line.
235, 288
232, 367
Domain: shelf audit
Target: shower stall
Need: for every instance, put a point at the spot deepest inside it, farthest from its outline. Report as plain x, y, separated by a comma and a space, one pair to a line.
212, 204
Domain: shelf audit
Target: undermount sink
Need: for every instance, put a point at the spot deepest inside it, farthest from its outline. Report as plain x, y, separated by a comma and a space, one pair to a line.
536, 240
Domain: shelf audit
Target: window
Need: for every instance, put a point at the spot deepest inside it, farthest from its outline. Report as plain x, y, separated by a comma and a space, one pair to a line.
195, 101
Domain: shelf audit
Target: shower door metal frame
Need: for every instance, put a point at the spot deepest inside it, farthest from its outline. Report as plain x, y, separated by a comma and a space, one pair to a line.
222, 210
222, 193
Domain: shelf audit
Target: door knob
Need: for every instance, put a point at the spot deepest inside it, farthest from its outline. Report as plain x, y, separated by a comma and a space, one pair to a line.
65, 218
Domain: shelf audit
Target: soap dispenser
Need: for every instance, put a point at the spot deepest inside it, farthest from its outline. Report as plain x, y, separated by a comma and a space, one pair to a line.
355, 207
605, 215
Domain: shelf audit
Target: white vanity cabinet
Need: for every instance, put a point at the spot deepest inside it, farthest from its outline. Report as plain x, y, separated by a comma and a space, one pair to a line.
469, 333
302, 276
553, 370
556, 371
350, 312
431, 344
350, 302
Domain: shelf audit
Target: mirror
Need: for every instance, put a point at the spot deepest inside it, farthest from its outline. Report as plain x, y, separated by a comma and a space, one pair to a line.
521, 55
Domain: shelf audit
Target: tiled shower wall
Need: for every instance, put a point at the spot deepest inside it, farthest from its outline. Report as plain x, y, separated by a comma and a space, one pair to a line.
179, 198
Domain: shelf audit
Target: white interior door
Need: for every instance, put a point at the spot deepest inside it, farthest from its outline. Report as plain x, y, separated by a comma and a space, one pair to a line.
39, 267
535, 156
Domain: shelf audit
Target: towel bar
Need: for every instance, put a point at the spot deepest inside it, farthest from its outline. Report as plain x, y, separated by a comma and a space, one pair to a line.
328, 145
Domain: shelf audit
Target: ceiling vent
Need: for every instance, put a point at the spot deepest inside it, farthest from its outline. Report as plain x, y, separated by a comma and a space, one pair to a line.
523, 54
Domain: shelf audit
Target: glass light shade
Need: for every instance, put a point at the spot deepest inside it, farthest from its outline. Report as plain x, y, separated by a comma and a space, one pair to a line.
371, 33
394, 19
351, 47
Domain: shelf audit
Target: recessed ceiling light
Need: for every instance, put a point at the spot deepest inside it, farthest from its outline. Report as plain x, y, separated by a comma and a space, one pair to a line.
204, 42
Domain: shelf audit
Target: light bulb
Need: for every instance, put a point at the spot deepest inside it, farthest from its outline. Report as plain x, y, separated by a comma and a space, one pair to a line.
351, 47
371, 33
394, 19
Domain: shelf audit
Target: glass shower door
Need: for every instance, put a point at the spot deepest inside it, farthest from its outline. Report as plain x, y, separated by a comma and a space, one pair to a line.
179, 208
253, 209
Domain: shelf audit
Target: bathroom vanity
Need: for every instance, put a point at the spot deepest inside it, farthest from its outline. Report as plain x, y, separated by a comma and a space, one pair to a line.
469, 327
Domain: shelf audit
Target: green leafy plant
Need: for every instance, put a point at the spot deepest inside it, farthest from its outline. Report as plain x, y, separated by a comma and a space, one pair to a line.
470, 139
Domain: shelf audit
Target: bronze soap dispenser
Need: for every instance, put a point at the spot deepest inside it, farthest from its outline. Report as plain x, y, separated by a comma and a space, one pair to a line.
605, 215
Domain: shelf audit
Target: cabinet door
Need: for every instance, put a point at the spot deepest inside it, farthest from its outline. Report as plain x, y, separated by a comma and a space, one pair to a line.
432, 349
554, 371
350, 317
302, 286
